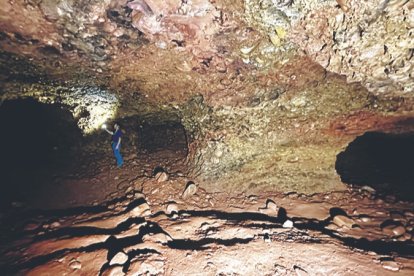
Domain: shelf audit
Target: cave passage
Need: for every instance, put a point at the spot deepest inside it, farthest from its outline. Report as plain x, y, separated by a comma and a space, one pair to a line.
161, 137
38, 141
382, 161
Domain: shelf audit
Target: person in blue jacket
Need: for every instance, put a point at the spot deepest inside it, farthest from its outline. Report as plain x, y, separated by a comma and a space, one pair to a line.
116, 143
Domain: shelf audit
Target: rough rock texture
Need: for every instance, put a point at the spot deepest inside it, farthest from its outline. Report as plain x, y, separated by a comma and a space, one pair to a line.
215, 233
268, 93
368, 41
269, 141
252, 82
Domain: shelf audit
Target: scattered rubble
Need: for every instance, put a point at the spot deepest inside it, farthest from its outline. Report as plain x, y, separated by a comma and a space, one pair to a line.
140, 239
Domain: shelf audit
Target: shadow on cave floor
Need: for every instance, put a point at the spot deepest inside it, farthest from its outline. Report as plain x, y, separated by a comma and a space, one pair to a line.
162, 146
46, 161
76, 224
382, 161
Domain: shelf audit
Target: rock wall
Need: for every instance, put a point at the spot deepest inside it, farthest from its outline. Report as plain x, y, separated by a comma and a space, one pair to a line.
289, 138
368, 41
269, 91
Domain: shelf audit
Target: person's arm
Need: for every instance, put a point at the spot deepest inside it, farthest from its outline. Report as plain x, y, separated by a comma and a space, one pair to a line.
119, 143
110, 132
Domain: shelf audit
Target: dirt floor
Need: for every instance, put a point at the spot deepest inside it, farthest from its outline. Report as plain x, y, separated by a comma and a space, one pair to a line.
130, 221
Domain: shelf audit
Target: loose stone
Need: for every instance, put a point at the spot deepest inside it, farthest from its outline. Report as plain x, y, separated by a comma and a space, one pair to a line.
341, 221
398, 231
288, 224
75, 265
190, 190
120, 258
161, 177
390, 265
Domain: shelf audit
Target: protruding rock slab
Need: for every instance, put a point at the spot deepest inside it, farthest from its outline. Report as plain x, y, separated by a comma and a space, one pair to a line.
142, 210
157, 238
309, 210
342, 221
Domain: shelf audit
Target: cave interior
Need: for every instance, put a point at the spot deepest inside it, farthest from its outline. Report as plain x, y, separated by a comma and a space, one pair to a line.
259, 137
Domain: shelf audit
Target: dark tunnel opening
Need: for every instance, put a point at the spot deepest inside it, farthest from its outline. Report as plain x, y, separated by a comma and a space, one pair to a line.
149, 145
161, 137
382, 161
38, 141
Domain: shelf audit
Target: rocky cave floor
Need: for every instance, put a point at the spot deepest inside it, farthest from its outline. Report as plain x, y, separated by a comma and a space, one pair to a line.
266, 96
130, 221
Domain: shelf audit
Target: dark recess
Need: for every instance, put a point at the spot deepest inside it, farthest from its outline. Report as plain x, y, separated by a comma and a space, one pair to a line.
382, 161
169, 136
38, 142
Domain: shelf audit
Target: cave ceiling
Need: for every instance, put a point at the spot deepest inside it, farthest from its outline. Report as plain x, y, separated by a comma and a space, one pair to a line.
267, 94
168, 51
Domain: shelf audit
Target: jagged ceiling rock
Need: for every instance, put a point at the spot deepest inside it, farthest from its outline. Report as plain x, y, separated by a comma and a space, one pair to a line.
91, 106
209, 47
250, 80
141, 46
370, 42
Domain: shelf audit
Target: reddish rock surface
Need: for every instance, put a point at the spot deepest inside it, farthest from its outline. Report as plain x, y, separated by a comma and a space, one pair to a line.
212, 233
235, 116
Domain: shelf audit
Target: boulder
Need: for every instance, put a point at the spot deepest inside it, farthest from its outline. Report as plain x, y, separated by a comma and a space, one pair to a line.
171, 208
162, 177
120, 258
190, 190
288, 224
